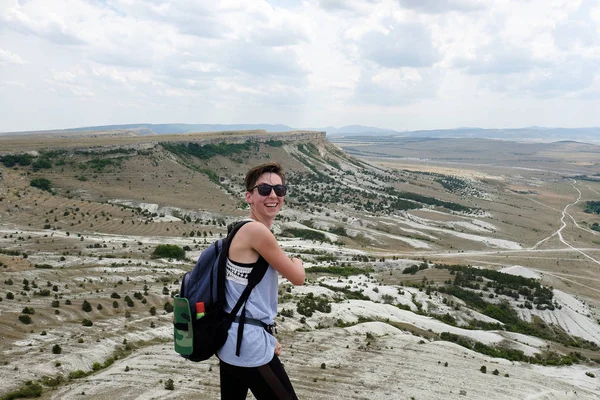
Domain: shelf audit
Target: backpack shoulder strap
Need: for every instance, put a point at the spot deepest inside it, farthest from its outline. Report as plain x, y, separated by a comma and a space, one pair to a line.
232, 229
255, 276
258, 272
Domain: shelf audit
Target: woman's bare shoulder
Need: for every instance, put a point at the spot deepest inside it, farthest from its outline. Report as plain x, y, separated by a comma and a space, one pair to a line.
255, 228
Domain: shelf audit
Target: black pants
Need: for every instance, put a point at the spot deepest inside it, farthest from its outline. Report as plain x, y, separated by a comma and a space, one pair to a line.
267, 382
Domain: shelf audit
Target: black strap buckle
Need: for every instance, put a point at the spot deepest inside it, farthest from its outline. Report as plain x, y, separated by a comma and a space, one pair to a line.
272, 329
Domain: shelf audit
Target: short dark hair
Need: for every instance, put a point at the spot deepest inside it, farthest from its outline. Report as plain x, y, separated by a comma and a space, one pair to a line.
255, 173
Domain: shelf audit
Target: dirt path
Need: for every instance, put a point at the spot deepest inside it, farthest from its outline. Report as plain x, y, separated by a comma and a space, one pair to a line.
558, 232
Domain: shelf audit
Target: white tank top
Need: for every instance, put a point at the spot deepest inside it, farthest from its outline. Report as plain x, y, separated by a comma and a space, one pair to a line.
258, 346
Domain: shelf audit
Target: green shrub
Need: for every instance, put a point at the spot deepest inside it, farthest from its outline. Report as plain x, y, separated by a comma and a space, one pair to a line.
309, 304
24, 318
305, 234
87, 322
86, 306
483, 369
209, 150
52, 381
41, 163
339, 230
11, 160
287, 313
41, 183
168, 251
29, 390
56, 349
77, 374
343, 271
169, 384
592, 207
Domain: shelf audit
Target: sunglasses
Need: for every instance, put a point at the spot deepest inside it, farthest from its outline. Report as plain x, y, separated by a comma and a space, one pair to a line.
264, 189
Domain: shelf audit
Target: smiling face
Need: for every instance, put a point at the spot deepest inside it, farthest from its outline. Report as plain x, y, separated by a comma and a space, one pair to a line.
265, 208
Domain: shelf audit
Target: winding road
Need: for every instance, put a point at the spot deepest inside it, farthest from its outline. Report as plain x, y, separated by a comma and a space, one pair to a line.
558, 232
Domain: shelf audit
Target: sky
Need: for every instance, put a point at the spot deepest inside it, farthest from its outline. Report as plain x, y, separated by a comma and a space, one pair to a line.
396, 64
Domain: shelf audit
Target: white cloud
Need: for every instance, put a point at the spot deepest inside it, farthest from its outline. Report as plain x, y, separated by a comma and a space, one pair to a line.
499, 59
6, 57
443, 6
401, 45
396, 86
46, 20
302, 63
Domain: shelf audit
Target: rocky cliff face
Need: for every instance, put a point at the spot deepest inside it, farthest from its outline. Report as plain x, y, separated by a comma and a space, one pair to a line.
231, 137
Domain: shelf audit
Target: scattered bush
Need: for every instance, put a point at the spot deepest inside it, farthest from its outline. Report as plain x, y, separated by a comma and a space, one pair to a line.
305, 234
483, 369
24, 318
169, 384
86, 306
287, 312
29, 390
41, 183
343, 271
56, 349
52, 381
77, 374
308, 304
41, 163
168, 251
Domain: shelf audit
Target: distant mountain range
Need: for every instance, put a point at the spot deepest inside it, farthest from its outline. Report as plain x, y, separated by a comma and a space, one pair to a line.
164, 129
533, 133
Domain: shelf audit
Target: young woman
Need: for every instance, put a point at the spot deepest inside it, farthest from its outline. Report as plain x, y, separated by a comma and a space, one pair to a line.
257, 367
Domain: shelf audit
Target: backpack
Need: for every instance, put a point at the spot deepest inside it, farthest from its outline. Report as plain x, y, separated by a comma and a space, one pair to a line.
200, 322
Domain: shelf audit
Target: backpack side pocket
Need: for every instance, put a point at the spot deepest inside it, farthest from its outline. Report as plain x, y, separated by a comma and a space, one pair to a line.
183, 332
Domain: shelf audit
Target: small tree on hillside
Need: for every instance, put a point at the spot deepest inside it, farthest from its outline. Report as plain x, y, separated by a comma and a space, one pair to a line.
41, 183
86, 306
168, 251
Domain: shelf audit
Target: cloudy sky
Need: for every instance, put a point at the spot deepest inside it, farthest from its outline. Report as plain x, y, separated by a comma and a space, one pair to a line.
399, 64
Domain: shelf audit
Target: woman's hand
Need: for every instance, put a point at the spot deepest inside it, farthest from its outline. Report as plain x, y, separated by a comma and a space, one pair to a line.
277, 349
